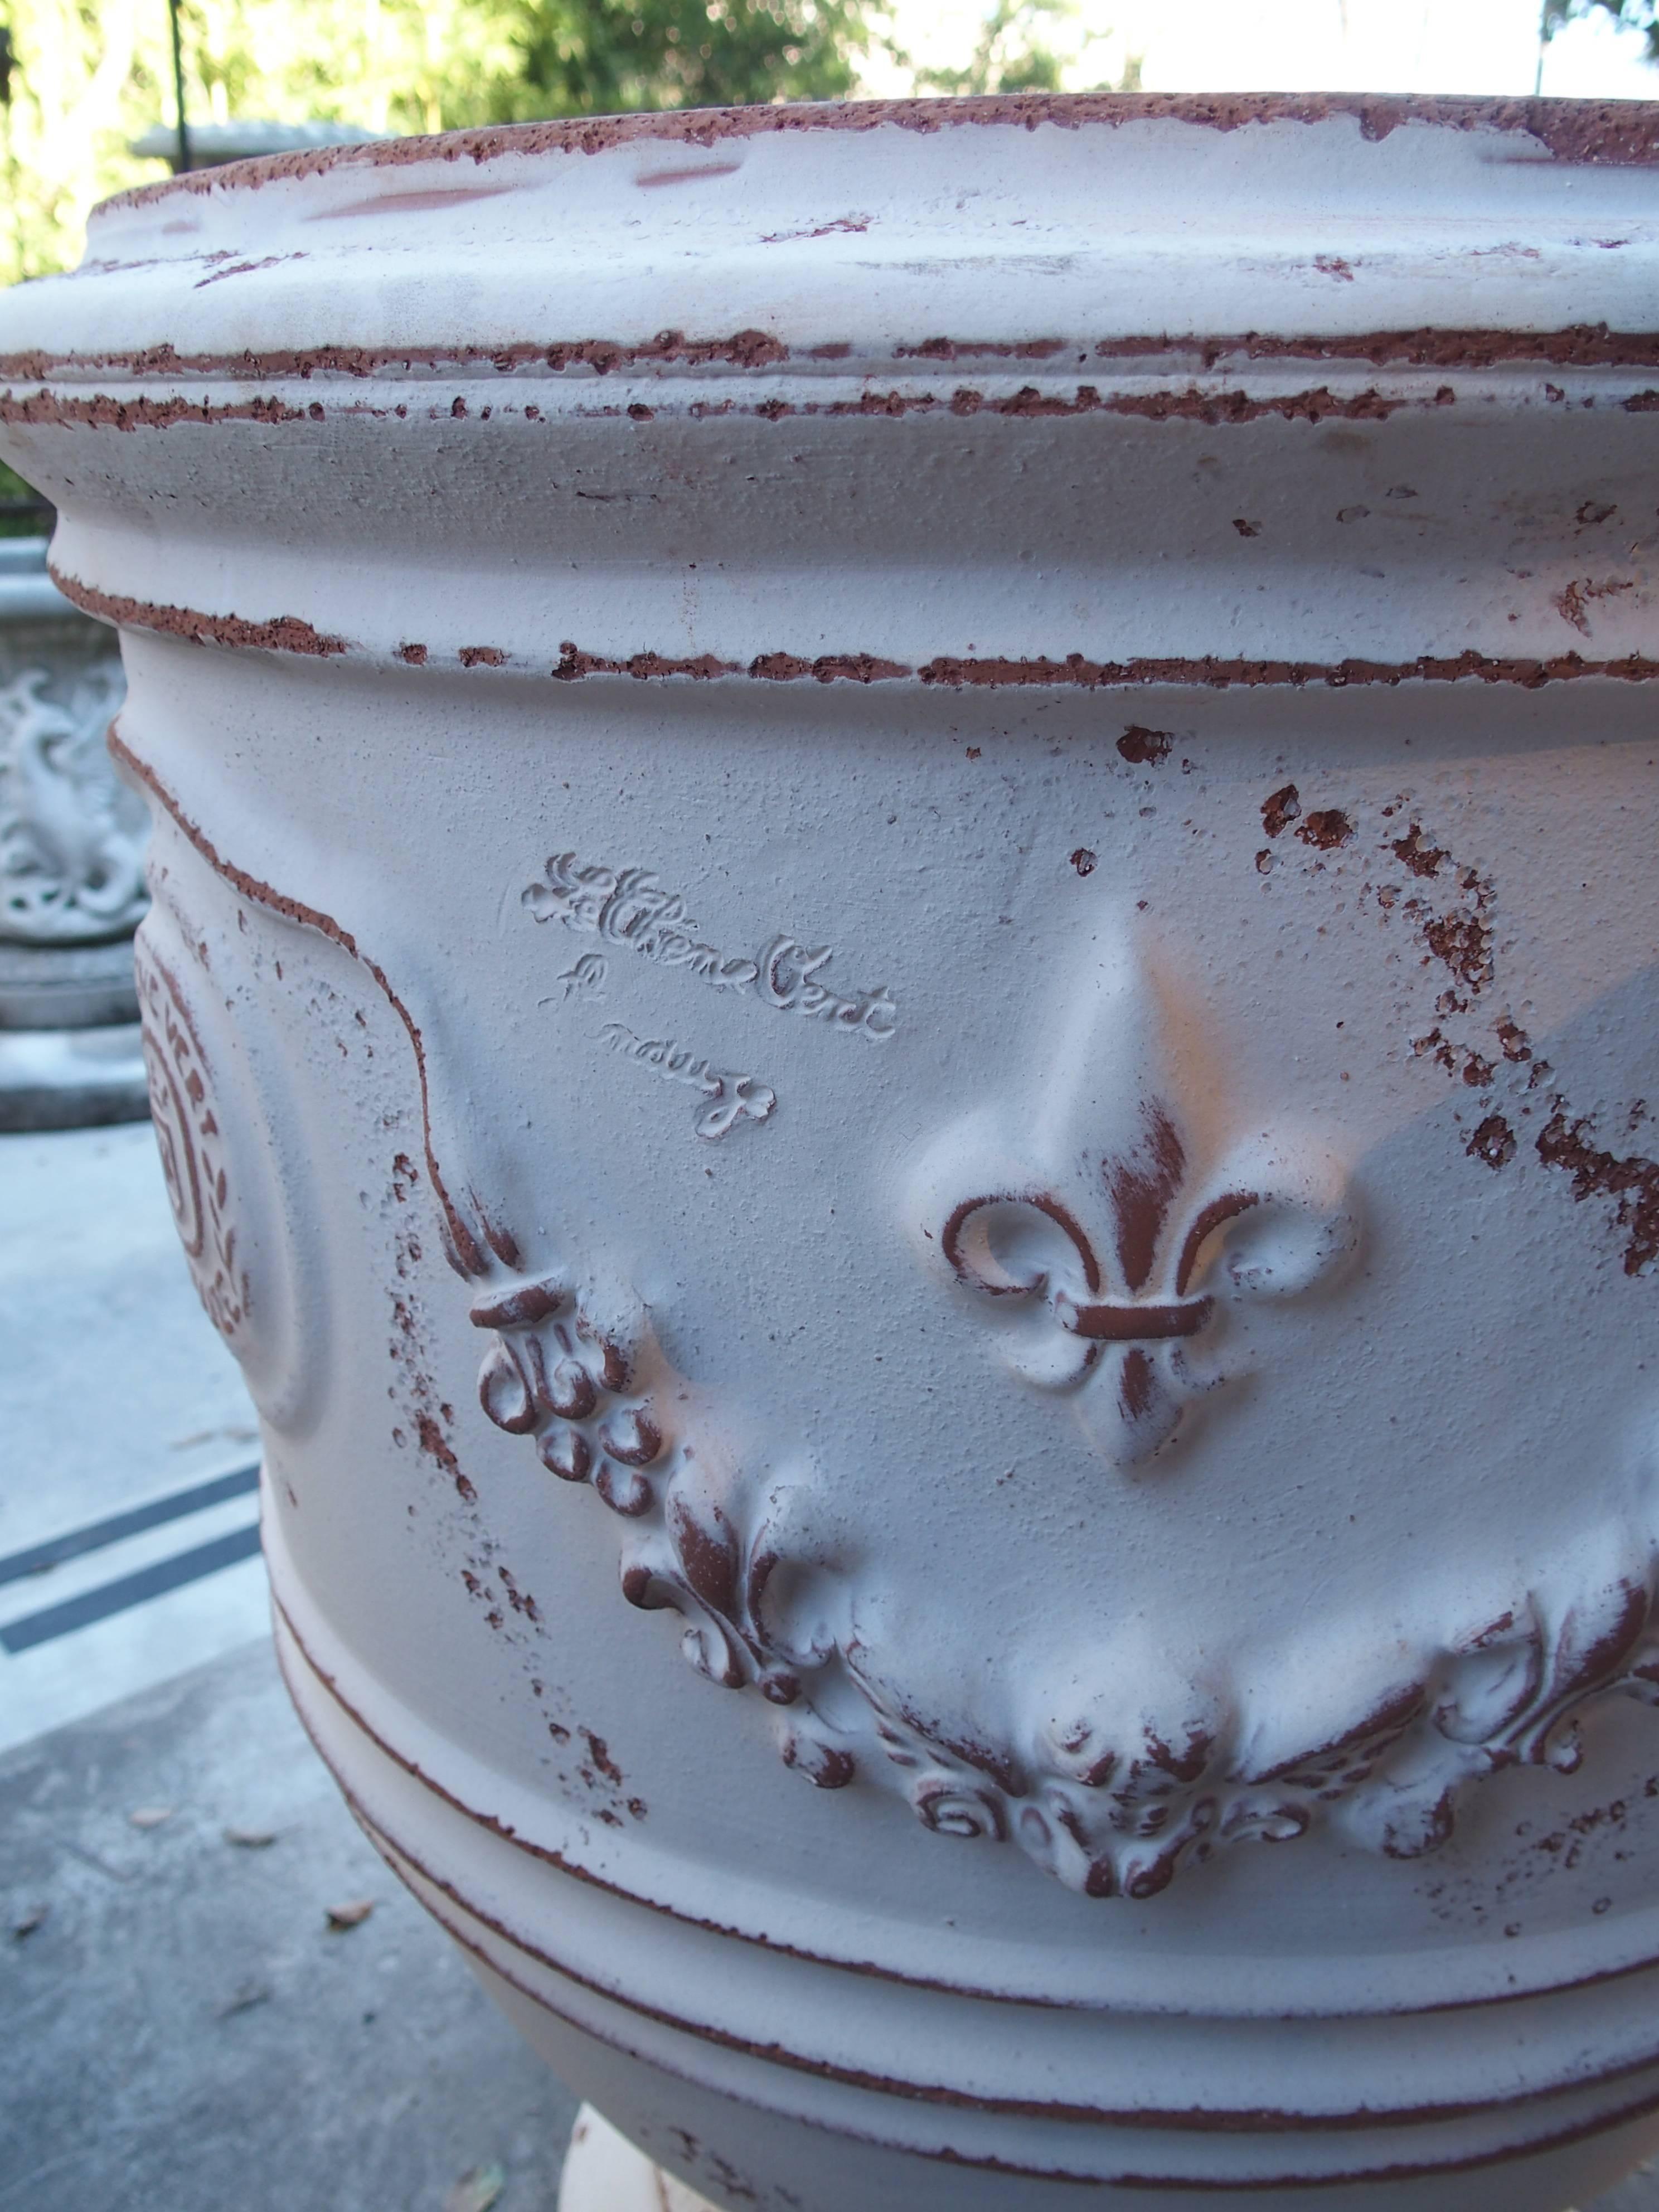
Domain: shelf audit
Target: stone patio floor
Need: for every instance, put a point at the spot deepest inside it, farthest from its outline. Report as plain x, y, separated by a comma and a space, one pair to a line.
185, 2028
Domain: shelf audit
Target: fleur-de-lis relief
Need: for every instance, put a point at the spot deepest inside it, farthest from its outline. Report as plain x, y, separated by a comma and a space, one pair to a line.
1132, 1309
1094, 1244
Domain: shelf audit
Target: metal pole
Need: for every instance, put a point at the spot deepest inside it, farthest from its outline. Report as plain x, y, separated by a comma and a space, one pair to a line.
181, 159
8, 66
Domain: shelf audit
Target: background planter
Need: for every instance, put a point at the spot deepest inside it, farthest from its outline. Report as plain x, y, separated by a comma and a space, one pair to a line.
71, 864
903, 891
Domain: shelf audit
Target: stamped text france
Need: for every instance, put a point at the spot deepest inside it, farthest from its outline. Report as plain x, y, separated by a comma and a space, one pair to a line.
627, 907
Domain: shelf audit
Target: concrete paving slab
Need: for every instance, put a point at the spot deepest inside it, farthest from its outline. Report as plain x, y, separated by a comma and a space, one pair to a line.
1639, 2194
116, 1394
80, 1669
114, 1382
183, 2028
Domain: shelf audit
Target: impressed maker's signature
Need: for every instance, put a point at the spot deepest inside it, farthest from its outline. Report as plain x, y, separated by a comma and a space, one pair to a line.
628, 907
733, 1098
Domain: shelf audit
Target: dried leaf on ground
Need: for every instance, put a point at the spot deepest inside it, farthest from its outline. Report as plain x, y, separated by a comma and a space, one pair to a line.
249, 1994
151, 1816
28, 1920
251, 1840
478, 2191
352, 1913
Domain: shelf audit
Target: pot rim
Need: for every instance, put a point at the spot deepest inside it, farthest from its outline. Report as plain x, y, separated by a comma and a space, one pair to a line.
1606, 133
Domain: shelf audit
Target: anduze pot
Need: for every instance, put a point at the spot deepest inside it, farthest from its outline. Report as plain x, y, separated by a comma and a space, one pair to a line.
905, 942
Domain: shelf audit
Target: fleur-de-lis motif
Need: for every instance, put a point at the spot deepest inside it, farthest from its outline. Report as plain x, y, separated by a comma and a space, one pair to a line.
1133, 1311
1117, 1262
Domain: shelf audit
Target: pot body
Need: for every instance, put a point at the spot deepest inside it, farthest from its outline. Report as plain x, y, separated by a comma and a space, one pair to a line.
904, 944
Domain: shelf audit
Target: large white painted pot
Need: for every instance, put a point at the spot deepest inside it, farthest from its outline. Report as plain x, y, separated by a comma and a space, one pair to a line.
904, 942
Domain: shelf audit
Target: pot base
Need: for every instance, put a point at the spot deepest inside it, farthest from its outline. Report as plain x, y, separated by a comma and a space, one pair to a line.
603, 2172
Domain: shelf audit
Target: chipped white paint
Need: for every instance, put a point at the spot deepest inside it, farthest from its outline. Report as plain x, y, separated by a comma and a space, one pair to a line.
1139, 1389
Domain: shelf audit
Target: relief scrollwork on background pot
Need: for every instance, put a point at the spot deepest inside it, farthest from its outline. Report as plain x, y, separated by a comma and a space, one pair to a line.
72, 834
1111, 1248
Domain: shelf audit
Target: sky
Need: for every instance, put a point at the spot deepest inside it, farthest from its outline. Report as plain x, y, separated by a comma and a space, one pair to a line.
1475, 46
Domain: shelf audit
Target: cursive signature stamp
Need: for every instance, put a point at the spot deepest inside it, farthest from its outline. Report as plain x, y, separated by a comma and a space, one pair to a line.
586, 976
734, 1098
628, 907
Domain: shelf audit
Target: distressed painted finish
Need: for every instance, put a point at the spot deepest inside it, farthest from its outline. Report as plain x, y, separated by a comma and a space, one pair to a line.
904, 934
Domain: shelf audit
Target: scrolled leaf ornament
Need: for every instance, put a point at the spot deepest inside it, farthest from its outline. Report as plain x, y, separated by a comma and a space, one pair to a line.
950, 1807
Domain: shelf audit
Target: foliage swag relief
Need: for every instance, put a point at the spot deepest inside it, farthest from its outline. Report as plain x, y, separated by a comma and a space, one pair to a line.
1111, 1803
1108, 1270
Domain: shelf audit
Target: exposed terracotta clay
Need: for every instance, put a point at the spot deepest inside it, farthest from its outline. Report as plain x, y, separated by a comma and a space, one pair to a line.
1279, 809
141, 413
747, 349
1218, 674
1144, 748
290, 634
279, 634
1582, 346
1573, 603
1423, 860
1633, 1182
1028, 403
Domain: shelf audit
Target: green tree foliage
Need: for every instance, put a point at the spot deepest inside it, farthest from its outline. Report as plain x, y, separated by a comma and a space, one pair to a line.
1638, 14
1027, 45
20, 514
612, 55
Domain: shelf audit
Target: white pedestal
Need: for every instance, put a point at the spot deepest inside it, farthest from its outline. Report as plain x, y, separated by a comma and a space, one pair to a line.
603, 2172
